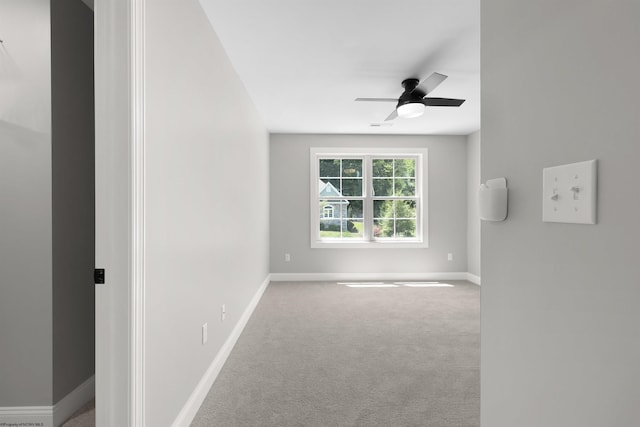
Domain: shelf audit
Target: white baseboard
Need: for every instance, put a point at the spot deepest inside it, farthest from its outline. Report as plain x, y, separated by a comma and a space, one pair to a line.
191, 407
330, 277
49, 416
473, 278
74, 401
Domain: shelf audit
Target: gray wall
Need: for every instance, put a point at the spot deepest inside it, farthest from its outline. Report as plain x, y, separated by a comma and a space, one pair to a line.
46, 188
207, 202
25, 207
290, 208
473, 213
72, 160
561, 302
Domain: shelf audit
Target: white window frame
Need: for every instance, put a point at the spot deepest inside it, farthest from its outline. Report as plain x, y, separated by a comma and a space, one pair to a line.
368, 240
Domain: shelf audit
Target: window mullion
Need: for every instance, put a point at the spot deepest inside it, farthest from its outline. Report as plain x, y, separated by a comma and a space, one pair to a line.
418, 197
368, 208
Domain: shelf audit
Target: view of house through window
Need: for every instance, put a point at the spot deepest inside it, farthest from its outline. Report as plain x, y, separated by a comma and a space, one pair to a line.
340, 192
368, 197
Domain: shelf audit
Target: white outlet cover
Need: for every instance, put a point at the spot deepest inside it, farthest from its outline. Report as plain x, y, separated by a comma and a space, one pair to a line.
205, 335
569, 193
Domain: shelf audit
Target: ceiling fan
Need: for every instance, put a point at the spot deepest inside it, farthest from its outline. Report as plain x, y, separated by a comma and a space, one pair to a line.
414, 99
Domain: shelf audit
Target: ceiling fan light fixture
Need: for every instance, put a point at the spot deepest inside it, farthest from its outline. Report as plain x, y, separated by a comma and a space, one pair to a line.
410, 110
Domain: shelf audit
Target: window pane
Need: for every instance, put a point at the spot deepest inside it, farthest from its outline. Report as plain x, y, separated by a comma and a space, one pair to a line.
329, 167
383, 187
405, 209
382, 167
341, 219
329, 188
383, 228
354, 227
383, 208
405, 168
354, 209
352, 187
377, 229
330, 229
352, 167
406, 228
405, 186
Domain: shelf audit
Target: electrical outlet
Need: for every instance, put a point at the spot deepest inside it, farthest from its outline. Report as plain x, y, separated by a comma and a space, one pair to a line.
450, 257
205, 336
287, 257
223, 312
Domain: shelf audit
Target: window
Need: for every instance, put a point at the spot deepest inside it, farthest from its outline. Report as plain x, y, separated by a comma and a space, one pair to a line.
373, 198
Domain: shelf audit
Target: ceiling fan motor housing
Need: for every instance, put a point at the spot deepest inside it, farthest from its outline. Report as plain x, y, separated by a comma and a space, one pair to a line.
410, 94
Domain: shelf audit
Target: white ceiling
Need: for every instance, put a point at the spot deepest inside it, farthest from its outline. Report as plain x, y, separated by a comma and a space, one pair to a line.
304, 62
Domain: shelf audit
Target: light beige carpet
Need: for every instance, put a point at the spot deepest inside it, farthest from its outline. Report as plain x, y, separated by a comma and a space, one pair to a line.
324, 354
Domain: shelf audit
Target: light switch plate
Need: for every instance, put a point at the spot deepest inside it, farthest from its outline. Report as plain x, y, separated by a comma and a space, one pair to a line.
569, 193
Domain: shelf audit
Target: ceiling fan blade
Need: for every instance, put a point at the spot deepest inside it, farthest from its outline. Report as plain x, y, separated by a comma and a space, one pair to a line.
431, 82
393, 115
442, 102
377, 99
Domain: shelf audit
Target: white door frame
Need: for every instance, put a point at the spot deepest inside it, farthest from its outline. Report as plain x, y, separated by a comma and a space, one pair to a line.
119, 94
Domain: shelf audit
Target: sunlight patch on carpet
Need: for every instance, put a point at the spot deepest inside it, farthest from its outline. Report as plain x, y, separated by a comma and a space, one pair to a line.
395, 284
369, 285
424, 284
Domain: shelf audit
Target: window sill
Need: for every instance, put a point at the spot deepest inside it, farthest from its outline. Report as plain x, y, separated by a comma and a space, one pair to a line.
328, 244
